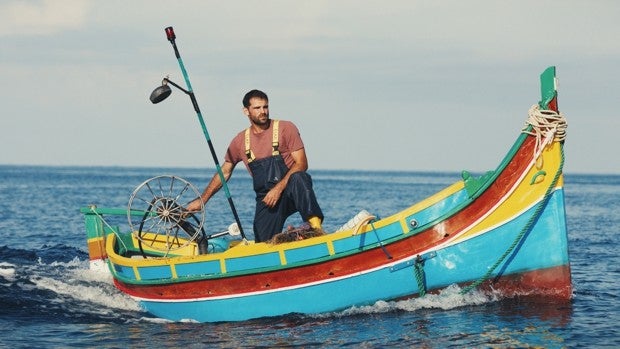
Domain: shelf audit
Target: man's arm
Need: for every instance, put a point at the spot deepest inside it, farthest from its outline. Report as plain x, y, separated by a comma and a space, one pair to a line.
214, 185
301, 164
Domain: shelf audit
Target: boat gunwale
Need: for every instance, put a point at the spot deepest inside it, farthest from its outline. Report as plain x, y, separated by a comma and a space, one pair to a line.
127, 262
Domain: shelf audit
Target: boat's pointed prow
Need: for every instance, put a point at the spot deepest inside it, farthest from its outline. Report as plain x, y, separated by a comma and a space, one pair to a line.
549, 90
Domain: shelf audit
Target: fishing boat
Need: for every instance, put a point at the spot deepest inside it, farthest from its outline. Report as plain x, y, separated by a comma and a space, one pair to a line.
502, 232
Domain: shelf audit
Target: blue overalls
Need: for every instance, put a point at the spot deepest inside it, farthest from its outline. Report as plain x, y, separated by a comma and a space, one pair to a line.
298, 196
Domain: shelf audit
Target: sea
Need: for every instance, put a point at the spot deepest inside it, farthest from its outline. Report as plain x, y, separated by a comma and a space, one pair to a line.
49, 298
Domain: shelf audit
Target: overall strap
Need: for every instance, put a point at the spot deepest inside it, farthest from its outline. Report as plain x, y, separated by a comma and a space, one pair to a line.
275, 144
248, 151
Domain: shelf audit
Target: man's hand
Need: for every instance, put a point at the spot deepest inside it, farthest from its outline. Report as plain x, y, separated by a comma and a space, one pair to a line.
193, 206
301, 164
272, 197
214, 185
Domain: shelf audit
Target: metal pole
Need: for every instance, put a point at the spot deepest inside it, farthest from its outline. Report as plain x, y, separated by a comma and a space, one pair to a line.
172, 37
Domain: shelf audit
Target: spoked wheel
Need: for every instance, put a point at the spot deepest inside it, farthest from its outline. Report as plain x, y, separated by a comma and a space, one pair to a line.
157, 216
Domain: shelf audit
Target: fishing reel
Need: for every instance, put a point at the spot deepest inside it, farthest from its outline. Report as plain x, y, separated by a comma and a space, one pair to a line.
157, 215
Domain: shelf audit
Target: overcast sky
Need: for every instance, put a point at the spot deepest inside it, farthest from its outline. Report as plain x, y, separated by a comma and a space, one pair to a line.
381, 85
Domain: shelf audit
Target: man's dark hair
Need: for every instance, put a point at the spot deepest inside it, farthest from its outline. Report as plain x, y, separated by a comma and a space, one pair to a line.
254, 94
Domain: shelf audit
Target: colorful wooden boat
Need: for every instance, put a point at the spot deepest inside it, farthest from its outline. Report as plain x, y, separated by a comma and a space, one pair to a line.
504, 230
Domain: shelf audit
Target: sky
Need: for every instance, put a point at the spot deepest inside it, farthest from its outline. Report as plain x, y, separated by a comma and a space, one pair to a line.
400, 85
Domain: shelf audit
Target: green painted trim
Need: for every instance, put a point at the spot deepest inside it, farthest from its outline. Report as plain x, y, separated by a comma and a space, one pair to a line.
538, 174
472, 184
110, 211
94, 226
548, 89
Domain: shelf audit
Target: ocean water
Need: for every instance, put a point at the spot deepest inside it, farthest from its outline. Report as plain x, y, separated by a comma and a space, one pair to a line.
50, 299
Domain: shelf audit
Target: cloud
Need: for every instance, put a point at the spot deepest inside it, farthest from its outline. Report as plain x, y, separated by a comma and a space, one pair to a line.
47, 17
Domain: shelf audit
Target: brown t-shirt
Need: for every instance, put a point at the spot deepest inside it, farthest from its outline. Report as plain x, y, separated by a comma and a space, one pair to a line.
288, 138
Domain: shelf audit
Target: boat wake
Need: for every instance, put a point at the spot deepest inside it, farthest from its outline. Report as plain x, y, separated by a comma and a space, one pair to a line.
36, 283
447, 298
39, 285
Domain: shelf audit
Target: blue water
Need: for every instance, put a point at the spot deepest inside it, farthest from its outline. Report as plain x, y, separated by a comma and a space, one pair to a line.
50, 298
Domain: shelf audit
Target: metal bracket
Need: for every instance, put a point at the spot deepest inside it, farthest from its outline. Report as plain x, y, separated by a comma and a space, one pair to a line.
411, 262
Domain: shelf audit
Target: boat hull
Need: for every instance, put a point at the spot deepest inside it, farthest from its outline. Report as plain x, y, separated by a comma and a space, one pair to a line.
533, 269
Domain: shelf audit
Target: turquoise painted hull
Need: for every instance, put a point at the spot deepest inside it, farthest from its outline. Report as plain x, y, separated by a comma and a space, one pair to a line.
452, 264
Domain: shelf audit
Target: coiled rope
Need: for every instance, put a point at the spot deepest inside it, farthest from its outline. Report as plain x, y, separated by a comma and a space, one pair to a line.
418, 269
547, 126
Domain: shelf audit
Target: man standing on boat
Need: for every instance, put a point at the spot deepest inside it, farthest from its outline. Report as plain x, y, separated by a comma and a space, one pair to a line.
274, 154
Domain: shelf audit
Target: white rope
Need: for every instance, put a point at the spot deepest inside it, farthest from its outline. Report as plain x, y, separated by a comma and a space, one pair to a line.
547, 126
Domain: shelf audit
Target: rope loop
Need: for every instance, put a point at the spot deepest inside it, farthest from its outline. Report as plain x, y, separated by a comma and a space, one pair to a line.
547, 126
418, 269
544, 123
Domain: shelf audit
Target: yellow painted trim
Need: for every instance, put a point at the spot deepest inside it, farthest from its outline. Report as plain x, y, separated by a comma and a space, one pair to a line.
525, 194
330, 248
96, 248
282, 257
403, 225
189, 250
223, 265
94, 240
242, 249
173, 271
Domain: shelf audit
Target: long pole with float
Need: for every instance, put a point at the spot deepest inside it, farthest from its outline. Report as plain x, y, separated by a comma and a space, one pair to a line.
172, 38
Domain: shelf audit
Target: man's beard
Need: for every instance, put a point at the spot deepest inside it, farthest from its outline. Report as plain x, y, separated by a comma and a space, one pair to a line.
259, 120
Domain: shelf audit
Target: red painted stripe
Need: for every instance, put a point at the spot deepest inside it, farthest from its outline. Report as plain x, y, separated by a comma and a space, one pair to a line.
550, 282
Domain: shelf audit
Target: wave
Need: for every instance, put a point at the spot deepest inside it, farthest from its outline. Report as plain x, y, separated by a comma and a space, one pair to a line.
447, 298
56, 282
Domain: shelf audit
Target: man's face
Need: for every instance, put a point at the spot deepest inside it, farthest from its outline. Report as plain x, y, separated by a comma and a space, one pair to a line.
258, 111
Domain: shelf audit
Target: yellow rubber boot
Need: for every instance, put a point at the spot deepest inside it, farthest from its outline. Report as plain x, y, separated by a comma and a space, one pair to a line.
315, 224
